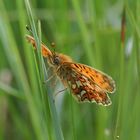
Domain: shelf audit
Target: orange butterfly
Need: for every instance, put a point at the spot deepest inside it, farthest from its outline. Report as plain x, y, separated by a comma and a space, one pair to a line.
86, 84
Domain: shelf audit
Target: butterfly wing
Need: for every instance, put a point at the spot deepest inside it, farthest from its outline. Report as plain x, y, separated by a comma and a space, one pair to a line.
82, 87
44, 49
86, 83
101, 79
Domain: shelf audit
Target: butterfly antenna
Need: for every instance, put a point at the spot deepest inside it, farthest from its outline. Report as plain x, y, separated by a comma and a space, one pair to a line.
53, 46
29, 29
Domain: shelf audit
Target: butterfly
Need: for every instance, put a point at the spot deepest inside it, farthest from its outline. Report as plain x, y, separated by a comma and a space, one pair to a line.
85, 83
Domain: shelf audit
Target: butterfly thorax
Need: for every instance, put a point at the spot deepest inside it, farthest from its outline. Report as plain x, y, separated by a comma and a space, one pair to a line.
59, 63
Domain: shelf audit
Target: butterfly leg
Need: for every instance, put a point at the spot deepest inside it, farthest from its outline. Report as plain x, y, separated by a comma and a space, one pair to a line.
49, 78
59, 92
47, 73
54, 82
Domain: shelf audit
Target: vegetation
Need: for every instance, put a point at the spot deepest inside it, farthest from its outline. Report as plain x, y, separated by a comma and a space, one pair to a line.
102, 34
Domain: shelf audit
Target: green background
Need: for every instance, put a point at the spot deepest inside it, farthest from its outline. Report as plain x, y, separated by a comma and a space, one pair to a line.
89, 31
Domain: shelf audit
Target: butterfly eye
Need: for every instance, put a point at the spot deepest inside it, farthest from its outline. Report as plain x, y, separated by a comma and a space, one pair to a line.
56, 60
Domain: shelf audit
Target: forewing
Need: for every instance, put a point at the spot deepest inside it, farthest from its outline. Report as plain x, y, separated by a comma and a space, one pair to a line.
84, 90
101, 79
44, 50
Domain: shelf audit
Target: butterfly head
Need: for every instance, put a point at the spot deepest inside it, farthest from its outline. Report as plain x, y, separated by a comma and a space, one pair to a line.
57, 59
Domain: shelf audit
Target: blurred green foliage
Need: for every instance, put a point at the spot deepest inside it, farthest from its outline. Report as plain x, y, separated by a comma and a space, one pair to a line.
88, 31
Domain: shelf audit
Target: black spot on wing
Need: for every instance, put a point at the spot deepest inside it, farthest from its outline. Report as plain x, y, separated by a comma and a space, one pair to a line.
76, 66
